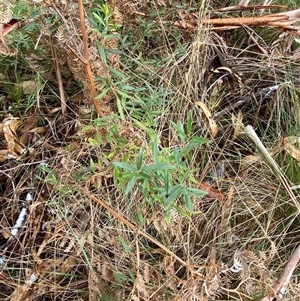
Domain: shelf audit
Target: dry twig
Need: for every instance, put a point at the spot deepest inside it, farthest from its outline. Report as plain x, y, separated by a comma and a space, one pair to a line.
86, 56
281, 20
59, 80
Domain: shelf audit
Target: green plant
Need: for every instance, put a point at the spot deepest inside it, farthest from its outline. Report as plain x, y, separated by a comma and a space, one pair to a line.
168, 178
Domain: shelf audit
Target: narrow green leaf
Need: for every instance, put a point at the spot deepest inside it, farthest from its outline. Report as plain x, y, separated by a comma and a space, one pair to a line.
87, 127
120, 108
139, 160
180, 130
166, 182
127, 88
99, 138
128, 175
187, 200
141, 218
105, 10
116, 72
144, 175
119, 277
146, 127
185, 150
177, 156
189, 123
155, 151
126, 166
130, 184
158, 166
103, 93
124, 95
99, 19
92, 165
131, 275
102, 52
199, 140
101, 122
93, 142
175, 192
145, 184
196, 192
124, 244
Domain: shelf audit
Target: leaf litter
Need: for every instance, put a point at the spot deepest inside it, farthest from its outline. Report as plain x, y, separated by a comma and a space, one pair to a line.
67, 233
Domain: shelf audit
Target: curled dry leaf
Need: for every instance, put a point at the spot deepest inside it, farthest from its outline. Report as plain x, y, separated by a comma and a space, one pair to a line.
212, 192
290, 146
14, 146
212, 124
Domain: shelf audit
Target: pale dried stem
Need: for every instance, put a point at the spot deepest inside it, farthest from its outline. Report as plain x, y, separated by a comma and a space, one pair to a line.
266, 3
253, 136
59, 81
244, 2
239, 8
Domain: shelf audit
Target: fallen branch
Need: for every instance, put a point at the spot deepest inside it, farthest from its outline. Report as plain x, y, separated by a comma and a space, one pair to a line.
281, 20
246, 21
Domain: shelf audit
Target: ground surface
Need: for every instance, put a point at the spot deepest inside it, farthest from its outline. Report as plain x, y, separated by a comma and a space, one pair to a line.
158, 188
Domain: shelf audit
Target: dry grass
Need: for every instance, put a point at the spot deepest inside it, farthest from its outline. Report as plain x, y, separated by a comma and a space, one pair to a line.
82, 238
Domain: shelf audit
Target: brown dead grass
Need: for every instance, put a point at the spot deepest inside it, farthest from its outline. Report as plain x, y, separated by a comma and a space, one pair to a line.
70, 247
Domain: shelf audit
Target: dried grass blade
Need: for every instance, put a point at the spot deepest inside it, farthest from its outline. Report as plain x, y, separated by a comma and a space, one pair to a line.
253, 136
280, 286
59, 80
133, 227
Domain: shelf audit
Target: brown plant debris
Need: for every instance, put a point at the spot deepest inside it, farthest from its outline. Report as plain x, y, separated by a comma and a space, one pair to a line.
71, 229
12, 149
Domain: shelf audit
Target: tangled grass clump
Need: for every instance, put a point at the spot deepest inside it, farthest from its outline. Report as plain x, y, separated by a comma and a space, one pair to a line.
165, 195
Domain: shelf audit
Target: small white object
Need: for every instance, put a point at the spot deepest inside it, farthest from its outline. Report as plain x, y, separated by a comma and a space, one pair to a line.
18, 223
29, 197
33, 278
2, 260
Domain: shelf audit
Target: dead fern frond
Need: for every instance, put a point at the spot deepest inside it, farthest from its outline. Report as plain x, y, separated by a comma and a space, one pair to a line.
141, 286
60, 33
240, 265
6, 12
